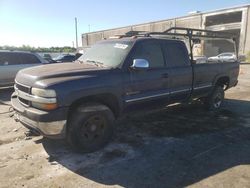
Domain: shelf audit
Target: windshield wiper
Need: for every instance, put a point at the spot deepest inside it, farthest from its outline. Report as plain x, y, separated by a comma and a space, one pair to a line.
97, 63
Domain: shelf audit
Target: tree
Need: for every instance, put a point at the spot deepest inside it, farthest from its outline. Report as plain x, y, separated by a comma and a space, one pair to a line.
66, 49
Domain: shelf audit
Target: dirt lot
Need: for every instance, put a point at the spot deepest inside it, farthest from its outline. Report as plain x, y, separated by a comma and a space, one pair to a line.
180, 146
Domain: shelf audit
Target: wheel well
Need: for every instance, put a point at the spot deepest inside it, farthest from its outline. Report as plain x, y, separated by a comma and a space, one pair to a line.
109, 100
223, 81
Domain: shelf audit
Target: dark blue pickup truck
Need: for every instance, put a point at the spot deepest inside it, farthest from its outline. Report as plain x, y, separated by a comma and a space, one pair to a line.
79, 101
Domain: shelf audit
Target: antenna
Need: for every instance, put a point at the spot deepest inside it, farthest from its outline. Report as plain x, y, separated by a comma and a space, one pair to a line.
76, 33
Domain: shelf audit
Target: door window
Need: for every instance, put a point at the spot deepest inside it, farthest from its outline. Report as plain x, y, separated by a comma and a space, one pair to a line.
7, 58
28, 59
12, 58
151, 51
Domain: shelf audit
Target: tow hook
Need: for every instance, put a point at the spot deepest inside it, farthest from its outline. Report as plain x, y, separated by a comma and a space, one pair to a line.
11, 111
16, 117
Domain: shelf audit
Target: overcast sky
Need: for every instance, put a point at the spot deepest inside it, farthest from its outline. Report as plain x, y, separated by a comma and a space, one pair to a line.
48, 23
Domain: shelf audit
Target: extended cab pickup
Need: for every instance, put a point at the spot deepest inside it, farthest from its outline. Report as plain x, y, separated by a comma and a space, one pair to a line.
80, 101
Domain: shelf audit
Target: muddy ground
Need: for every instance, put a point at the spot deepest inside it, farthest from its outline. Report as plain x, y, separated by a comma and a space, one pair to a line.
180, 146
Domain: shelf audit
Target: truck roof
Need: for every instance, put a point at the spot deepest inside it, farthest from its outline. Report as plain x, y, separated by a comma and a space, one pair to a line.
134, 39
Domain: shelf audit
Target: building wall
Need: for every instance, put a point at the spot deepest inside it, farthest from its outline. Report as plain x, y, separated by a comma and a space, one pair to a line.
114, 32
162, 26
247, 40
192, 21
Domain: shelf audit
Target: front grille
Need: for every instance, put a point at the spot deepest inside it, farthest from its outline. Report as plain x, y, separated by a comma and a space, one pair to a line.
22, 87
23, 101
25, 89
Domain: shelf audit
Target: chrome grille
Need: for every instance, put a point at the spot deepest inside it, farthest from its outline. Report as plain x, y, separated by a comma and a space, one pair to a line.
23, 101
23, 88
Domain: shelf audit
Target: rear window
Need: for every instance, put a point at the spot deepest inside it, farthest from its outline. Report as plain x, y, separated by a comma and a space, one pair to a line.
176, 54
9, 58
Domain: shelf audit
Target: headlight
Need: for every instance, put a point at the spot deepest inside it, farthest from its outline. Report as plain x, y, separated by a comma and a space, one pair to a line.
43, 92
45, 99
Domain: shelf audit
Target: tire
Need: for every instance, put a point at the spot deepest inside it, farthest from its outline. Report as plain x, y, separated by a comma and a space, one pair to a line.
90, 127
215, 100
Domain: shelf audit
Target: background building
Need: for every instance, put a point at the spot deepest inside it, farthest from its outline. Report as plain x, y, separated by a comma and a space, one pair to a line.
235, 20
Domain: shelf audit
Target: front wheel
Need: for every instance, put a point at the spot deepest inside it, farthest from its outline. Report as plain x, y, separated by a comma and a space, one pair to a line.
90, 127
215, 100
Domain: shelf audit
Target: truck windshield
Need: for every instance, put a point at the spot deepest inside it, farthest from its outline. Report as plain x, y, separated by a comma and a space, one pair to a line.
107, 54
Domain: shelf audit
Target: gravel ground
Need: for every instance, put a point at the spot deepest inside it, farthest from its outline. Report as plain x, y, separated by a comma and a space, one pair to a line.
180, 146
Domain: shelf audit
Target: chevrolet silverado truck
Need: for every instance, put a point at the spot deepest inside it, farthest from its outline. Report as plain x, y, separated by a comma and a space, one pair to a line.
80, 101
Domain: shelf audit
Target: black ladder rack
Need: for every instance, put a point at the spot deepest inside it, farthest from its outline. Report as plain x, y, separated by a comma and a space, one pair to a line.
187, 33
184, 32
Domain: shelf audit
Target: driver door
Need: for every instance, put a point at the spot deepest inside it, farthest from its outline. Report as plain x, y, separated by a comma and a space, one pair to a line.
151, 84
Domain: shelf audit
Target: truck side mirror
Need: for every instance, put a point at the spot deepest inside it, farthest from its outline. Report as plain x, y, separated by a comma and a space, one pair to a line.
140, 64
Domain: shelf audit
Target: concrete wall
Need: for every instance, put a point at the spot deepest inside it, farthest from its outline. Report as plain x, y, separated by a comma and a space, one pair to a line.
192, 21
114, 32
247, 40
162, 26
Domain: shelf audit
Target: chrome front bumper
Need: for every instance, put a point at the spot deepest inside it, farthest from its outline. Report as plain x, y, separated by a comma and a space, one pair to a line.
49, 124
47, 129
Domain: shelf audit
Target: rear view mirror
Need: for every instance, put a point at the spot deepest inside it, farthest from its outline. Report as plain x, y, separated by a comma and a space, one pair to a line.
140, 64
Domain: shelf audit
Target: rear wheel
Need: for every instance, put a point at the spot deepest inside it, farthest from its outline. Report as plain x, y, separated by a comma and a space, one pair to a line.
90, 127
215, 100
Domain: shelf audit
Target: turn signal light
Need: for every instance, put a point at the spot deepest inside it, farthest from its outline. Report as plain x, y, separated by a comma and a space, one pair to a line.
50, 106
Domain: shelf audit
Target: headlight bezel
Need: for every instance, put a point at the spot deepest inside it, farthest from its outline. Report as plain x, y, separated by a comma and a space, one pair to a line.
47, 93
45, 99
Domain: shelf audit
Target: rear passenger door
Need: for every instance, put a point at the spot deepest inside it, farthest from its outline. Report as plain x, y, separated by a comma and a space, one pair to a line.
151, 84
180, 70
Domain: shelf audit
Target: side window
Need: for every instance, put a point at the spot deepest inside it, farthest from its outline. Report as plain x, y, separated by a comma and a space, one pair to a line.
68, 58
3, 59
176, 54
28, 59
151, 51
8, 58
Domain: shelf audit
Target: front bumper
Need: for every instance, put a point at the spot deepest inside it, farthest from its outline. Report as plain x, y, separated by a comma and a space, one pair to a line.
50, 124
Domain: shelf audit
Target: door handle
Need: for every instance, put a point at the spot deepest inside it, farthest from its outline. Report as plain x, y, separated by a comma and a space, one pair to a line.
164, 75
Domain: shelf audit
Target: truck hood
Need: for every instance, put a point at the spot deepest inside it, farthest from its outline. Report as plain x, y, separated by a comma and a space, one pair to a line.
29, 76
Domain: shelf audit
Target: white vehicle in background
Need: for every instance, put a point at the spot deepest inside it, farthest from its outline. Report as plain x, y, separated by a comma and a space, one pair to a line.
228, 57
13, 61
200, 59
